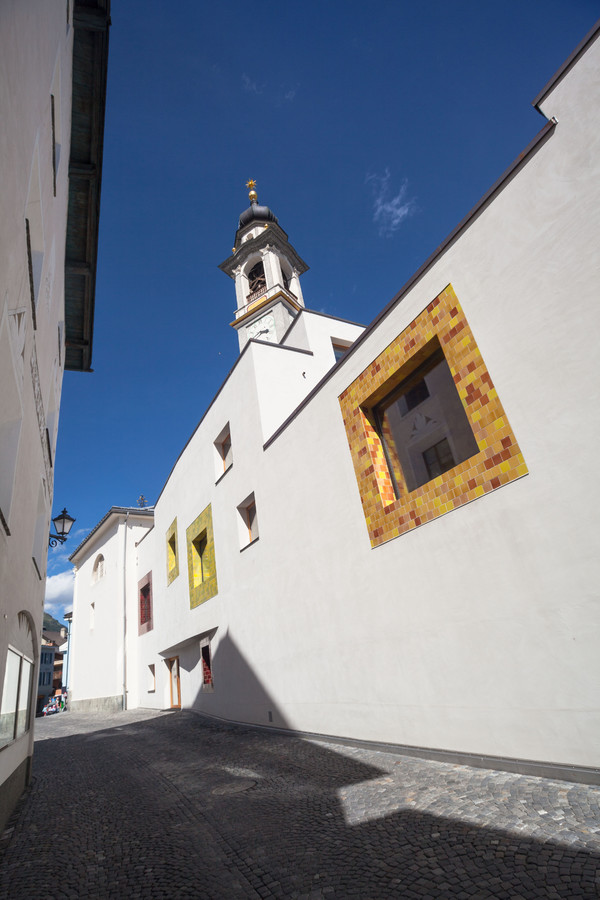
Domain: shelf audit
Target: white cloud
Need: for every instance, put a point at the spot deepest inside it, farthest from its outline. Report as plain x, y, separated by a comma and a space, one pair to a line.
251, 87
389, 211
59, 593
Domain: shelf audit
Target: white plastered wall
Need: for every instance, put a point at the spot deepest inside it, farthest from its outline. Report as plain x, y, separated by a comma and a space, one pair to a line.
477, 632
284, 376
35, 61
98, 629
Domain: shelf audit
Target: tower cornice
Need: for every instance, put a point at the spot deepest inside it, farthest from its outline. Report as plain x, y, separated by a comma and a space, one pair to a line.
273, 236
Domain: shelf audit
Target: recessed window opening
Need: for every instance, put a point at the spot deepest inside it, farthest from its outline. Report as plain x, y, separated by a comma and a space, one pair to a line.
145, 604
248, 521
200, 559
251, 521
423, 426
34, 236
206, 665
226, 451
98, 570
340, 348
15, 707
53, 115
145, 609
172, 552
223, 451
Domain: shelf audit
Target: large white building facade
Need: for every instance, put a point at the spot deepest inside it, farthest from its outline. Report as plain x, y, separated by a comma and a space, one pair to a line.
388, 534
53, 58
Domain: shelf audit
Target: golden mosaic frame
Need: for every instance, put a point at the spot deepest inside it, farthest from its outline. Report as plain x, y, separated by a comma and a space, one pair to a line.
203, 591
498, 461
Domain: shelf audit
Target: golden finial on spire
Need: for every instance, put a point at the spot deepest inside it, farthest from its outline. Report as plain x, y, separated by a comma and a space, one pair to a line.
251, 187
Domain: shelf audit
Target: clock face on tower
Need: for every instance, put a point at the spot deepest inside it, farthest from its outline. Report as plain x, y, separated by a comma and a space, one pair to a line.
263, 329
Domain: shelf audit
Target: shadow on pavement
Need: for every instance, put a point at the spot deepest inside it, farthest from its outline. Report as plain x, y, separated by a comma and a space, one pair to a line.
176, 806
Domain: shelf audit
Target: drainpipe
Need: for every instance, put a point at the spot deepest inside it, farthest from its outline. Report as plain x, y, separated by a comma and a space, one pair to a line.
125, 614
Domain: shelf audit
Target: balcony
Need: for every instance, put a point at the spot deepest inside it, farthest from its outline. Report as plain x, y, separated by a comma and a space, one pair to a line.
256, 297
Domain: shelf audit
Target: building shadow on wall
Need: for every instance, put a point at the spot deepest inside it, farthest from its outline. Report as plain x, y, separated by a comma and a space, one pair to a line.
235, 692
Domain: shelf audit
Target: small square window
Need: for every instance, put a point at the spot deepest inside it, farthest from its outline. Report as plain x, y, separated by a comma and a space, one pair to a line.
172, 553
248, 521
223, 452
340, 348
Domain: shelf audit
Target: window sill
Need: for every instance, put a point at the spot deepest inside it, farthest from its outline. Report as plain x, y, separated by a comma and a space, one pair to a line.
223, 474
251, 544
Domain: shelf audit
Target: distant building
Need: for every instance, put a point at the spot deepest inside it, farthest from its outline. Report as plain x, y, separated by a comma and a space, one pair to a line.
52, 655
400, 545
46, 674
53, 59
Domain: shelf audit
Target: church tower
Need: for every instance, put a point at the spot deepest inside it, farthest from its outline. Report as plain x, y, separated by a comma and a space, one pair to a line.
266, 270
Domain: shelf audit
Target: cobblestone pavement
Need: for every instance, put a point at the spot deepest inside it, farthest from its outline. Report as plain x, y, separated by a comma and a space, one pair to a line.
168, 805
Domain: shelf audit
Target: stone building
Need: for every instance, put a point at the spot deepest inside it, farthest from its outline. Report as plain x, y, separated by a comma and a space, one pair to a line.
389, 534
53, 59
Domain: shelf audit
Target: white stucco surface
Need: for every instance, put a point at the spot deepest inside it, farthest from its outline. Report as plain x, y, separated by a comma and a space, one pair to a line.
477, 632
35, 63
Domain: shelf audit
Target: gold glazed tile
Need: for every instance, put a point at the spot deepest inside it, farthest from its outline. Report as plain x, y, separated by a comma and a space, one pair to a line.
498, 461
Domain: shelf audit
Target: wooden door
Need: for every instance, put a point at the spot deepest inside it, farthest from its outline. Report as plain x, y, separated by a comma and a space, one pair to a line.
174, 682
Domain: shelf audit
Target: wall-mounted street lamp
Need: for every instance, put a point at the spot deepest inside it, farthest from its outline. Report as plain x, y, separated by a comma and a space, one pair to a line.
62, 525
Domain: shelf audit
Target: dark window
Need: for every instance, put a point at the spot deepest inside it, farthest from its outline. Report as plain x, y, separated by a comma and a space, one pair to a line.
414, 396
30, 267
199, 559
438, 458
251, 521
206, 665
145, 605
172, 552
256, 278
53, 142
423, 425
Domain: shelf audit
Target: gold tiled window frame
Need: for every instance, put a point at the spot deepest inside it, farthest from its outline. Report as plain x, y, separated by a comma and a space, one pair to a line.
498, 461
208, 588
172, 556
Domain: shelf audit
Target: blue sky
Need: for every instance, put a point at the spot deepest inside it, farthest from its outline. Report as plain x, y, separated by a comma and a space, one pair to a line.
371, 130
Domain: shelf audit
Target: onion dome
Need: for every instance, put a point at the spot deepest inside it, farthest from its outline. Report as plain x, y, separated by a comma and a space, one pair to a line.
255, 213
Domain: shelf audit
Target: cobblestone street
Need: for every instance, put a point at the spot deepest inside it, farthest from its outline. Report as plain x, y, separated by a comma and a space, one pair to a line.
168, 805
